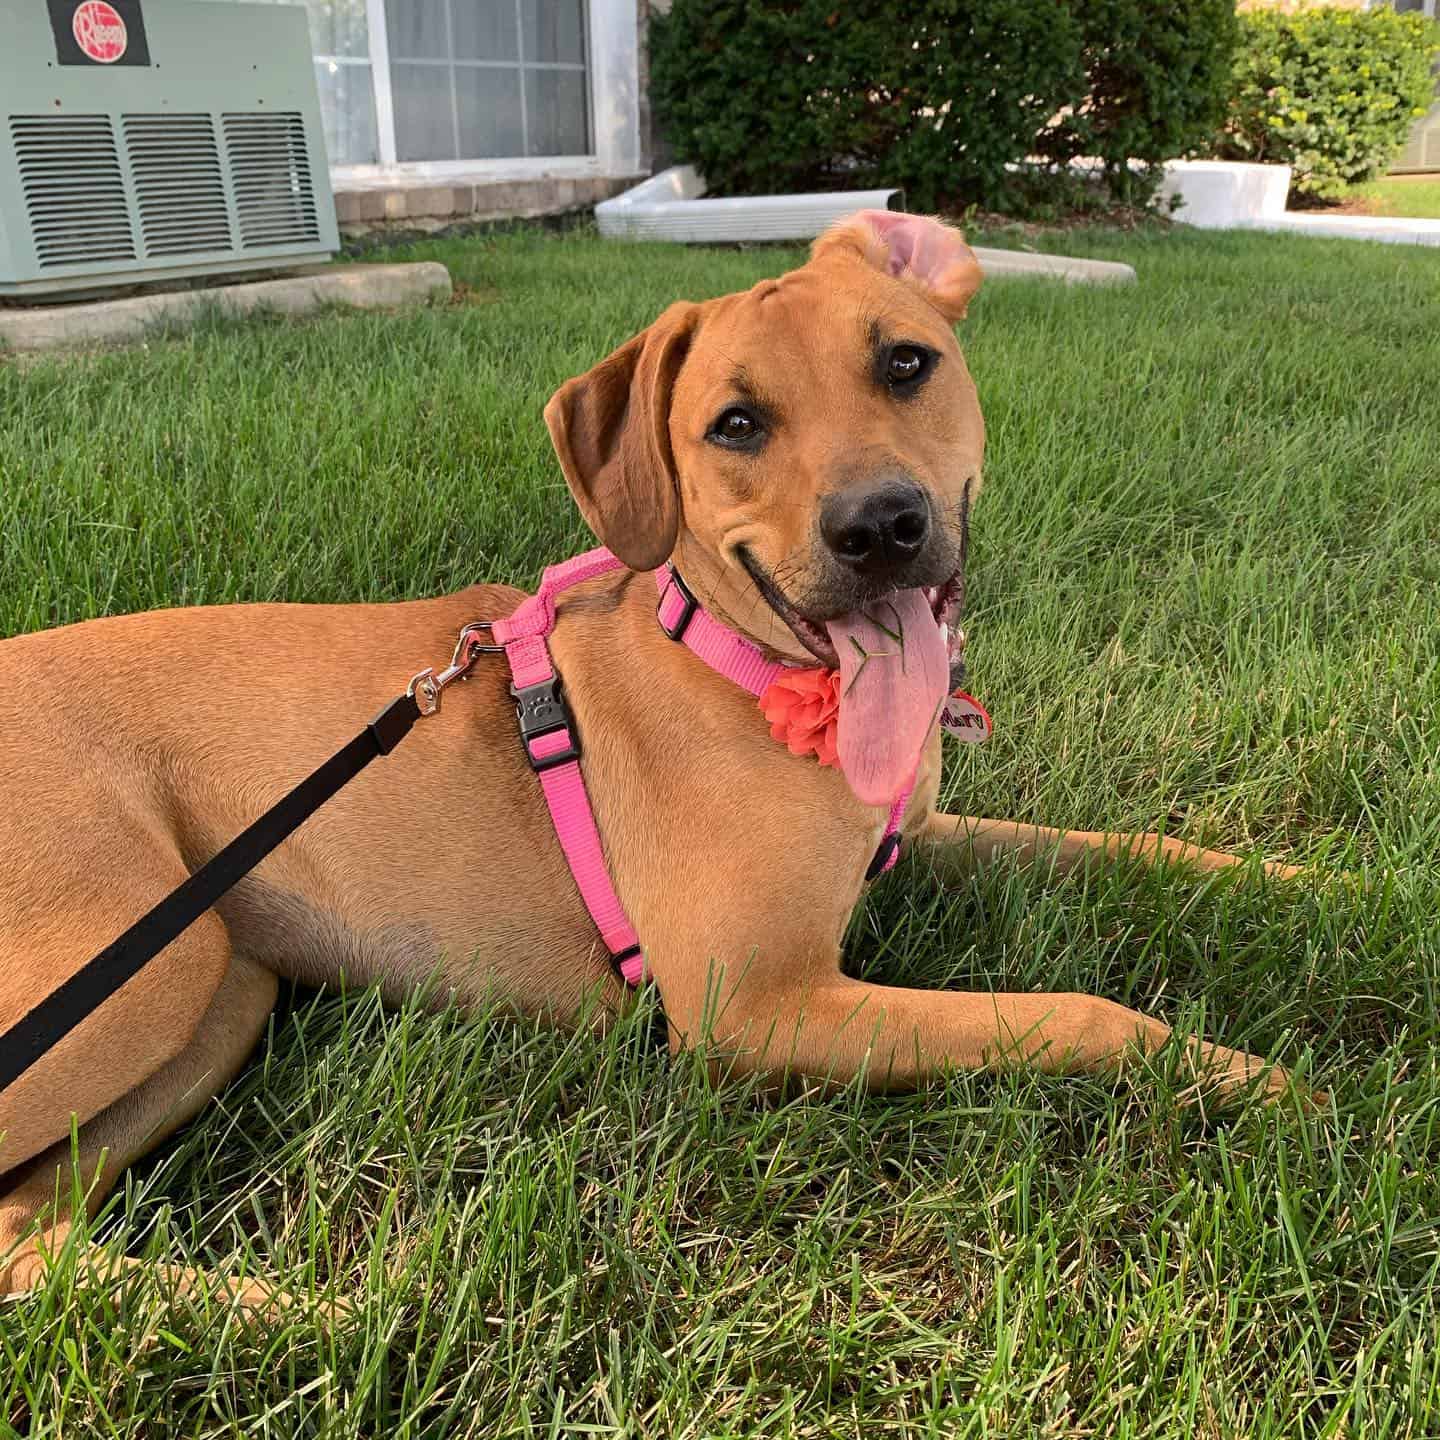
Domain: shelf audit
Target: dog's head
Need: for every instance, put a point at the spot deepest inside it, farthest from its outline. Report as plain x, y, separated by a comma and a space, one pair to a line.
803, 450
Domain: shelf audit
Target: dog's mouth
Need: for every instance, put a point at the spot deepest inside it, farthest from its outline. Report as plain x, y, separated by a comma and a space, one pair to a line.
815, 634
894, 655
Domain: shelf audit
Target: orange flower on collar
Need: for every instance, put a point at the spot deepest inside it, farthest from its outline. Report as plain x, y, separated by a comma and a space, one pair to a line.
803, 708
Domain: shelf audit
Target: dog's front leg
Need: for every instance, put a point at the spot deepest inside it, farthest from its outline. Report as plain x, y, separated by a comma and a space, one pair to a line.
798, 1014
965, 842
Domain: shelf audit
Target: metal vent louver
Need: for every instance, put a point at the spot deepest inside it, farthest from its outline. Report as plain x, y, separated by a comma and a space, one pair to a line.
197, 151
270, 173
179, 185
74, 188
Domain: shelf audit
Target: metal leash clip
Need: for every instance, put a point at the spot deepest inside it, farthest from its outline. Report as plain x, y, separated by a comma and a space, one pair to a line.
427, 686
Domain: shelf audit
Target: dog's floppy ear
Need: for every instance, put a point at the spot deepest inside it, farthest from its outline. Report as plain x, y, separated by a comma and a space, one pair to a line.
611, 429
925, 253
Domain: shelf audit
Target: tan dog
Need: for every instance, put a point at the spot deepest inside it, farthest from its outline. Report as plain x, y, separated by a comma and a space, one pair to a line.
801, 450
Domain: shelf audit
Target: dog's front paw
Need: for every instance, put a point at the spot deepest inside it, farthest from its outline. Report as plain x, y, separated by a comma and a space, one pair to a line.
1231, 1075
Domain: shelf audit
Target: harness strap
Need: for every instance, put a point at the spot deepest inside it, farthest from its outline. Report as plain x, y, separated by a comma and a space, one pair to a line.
552, 745
552, 741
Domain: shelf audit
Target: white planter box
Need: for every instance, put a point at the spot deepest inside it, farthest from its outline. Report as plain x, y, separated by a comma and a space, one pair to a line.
1224, 194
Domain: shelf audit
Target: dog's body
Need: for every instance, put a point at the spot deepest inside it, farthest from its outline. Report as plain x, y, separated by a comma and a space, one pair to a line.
132, 748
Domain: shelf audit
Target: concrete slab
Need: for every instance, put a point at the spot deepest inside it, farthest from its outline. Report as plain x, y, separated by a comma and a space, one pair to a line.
1390, 230
366, 287
998, 264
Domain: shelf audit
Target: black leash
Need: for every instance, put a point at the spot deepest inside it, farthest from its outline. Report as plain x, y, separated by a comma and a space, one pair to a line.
42, 1028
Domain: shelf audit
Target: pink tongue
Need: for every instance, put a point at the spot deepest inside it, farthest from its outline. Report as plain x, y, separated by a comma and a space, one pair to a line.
888, 702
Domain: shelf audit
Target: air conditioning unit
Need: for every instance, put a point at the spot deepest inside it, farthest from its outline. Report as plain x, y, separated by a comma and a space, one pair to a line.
145, 140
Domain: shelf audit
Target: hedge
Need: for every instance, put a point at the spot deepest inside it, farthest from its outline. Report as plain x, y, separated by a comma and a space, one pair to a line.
1332, 93
938, 96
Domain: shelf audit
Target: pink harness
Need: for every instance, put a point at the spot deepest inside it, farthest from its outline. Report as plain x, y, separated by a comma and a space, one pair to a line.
552, 743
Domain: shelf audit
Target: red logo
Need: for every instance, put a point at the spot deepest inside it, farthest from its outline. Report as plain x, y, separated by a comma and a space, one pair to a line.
99, 31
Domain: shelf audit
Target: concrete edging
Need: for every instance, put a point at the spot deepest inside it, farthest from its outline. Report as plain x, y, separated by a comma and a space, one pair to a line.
365, 287
1386, 229
1029, 264
668, 206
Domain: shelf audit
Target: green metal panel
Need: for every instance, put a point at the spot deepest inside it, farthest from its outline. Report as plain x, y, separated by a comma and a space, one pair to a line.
210, 159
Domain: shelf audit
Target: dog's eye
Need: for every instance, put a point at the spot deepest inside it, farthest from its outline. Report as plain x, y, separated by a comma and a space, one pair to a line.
905, 363
735, 427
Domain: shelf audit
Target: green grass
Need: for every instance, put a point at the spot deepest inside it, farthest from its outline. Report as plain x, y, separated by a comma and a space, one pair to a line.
1204, 594
1415, 197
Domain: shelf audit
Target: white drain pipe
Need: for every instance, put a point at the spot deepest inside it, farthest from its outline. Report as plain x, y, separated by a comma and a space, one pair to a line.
668, 207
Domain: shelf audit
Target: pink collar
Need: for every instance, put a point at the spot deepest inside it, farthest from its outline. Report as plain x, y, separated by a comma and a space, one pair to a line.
552, 742
685, 621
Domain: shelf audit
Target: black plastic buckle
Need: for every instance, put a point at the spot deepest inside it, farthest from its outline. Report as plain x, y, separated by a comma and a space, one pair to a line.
687, 612
541, 710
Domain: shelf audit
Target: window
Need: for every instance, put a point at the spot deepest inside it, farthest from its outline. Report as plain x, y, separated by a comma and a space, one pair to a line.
456, 80
340, 43
479, 79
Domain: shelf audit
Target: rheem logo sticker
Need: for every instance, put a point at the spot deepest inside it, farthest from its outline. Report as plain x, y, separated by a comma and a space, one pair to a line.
99, 31
95, 32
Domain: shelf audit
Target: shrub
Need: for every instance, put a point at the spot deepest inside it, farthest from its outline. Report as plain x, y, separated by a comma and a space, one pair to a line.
1331, 92
937, 96
1157, 82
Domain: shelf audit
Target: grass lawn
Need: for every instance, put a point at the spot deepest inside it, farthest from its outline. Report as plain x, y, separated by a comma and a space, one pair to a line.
1413, 196
1205, 593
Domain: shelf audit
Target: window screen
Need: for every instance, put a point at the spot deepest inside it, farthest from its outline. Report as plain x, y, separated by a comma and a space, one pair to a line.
483, 79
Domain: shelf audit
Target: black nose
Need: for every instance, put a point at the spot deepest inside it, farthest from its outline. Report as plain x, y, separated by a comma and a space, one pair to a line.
876, 529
